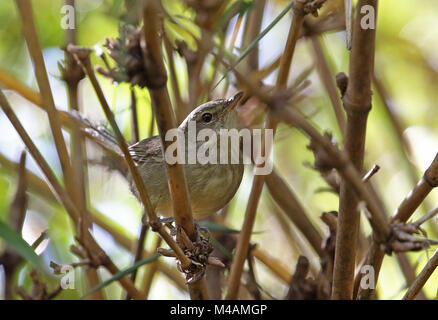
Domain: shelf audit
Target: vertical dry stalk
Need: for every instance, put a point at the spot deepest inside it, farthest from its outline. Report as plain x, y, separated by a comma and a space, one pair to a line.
253, 24
134, 118
72, 74
164, 115
138, 249
409, 273
138, 252
151, 270
257, 186
71, 182
399, 127
357, 103
166, 121
328, 81
181, 107
34, 48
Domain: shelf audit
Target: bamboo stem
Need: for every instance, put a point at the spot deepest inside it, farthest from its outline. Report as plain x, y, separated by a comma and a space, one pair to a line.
72, 74
357, 102
257, 185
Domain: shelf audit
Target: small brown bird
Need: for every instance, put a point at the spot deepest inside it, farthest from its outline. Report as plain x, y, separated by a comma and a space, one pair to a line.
211, 186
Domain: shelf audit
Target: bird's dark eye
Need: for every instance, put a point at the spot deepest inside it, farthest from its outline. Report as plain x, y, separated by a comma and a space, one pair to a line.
207, 117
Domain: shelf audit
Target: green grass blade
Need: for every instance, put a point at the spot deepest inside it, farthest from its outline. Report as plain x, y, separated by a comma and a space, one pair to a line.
16, 242
217, 227
217, 245
253, 44
122, 273
212, 226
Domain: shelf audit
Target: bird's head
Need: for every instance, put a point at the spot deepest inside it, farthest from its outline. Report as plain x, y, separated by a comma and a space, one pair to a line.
215, 115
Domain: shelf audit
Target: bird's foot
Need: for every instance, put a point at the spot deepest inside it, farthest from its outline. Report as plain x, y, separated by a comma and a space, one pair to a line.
197, 251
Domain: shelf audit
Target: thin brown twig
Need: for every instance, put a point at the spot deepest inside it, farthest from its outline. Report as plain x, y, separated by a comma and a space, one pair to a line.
128, 243
40, 187
164, 114
82, 57
150, 271
13, 83
134, 118
138, 251
71, 182
231, 49
66, 118
408, 272
422, 278
275, 265
347, 170
428, 216
371, 173
398, 126
180, 105
328, 81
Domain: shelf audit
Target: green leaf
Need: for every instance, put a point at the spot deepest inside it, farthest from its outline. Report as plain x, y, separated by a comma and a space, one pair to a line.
16, 242
212, 226
217, 245
243, 7
122, 273
217, 227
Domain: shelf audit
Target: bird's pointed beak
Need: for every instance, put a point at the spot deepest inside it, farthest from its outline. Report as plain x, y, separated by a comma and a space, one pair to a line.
232, 103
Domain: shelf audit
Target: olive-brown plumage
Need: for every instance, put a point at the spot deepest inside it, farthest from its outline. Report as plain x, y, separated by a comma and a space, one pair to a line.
211, 186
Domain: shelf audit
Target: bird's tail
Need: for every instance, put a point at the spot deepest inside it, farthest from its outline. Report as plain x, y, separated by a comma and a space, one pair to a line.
98, 133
